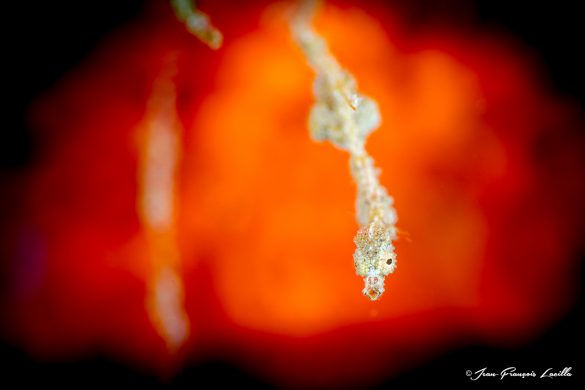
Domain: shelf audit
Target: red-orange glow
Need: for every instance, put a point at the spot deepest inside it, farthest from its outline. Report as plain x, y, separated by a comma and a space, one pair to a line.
484, 165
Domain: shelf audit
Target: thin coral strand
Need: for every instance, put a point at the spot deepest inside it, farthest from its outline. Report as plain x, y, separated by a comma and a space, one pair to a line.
158, 159
197, 23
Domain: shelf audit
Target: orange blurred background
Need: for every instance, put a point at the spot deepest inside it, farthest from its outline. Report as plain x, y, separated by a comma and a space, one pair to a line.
483, 156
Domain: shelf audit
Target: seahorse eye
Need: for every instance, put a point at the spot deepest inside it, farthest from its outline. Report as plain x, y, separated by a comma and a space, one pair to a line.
389, 261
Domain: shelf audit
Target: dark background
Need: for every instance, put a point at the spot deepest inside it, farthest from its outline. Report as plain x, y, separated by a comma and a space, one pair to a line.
43, 40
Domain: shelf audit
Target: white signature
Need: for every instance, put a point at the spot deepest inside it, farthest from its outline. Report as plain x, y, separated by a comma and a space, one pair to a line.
513, 372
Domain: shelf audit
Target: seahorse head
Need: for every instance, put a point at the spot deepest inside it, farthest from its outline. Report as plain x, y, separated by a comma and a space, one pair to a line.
374, 257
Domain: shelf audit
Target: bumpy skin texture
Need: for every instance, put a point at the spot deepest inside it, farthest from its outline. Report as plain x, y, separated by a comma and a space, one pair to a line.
374, 257
345, 118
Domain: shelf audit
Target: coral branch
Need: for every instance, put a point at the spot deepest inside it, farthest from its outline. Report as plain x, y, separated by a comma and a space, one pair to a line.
345, 118
197, 23
158, 159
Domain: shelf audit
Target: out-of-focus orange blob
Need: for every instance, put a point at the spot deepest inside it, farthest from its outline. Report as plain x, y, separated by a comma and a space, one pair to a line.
296, 200
483, 164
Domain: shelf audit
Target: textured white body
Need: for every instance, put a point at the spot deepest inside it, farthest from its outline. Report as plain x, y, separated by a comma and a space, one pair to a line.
346, 118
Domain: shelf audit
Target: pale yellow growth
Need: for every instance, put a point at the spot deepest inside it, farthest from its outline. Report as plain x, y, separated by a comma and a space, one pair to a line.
345, 118
159, 153
197, 23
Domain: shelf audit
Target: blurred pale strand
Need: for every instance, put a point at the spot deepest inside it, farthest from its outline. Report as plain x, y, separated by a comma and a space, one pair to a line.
158, 159
197, 23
